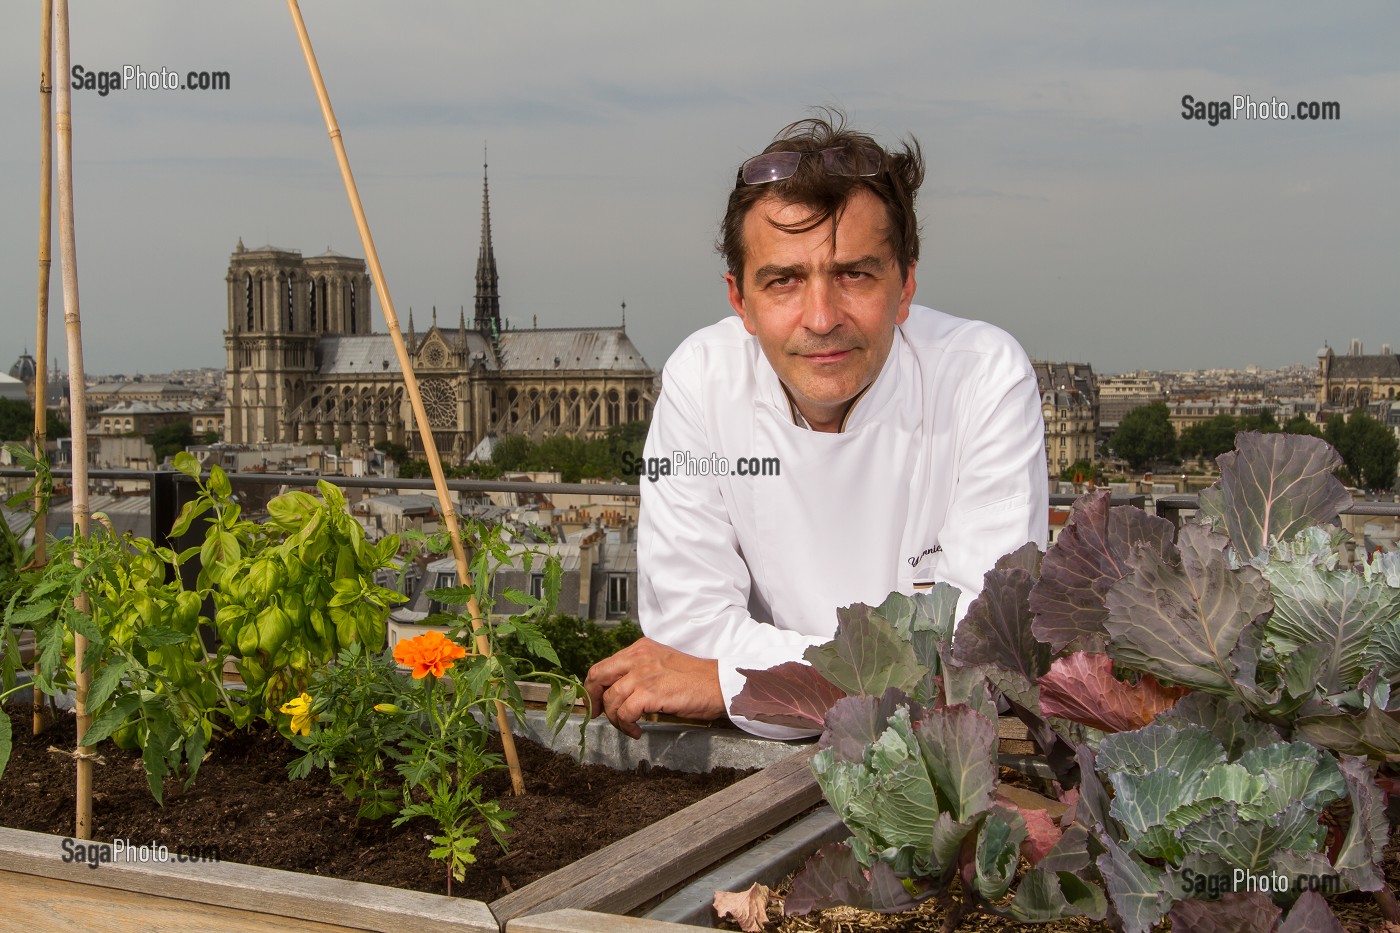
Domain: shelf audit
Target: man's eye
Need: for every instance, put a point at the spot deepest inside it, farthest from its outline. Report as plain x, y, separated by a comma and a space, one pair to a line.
780, 281
854, 275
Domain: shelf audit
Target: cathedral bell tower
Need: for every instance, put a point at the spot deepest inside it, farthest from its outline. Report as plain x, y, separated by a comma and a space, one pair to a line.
280, 305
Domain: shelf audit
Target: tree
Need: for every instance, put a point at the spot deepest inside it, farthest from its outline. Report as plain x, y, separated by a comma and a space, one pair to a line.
1300, 424
170, 439
17, 421
1081, 470
1144, 436
394, 451
512, 453
1264, 422
1211, 438
1368, 448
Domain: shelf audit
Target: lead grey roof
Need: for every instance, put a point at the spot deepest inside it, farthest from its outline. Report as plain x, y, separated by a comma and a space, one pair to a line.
367, 353
1365, 367
598, 348
358, 355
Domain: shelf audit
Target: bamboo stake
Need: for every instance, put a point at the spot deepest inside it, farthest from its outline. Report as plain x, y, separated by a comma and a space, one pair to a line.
420, 415
72, 320
41, 342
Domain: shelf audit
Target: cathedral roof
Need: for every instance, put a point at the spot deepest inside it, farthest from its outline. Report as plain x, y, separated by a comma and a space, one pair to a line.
1380, 366
589, 348
350, 356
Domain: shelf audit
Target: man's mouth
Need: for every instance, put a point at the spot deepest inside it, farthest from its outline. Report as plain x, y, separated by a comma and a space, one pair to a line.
826, 356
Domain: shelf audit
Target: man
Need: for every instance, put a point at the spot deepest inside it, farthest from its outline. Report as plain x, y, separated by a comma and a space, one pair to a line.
908, 444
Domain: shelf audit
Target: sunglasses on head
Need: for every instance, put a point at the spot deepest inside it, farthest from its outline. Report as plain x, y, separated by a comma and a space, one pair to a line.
838, 160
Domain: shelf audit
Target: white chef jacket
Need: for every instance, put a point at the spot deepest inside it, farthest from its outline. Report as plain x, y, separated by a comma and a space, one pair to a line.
938, 471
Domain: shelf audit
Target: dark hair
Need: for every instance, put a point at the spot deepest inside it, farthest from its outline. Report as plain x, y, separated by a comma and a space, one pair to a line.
896, 184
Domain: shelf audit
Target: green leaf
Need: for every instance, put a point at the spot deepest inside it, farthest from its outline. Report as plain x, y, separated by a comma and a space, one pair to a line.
153, 757
333, 496
867, 656
853, 724
1181, 621
959, 749
1137, 890
998, 852
1224, 719
6, 741
191, 510
1271, 487
1375, 733
187, 464
520, 597
451, 595
559, 706
1187, 751
1143, 801
219, 483
1043, 895
104, 725
535, 642
108, 678
1250, 843
161, 636
887, 798
1338, 609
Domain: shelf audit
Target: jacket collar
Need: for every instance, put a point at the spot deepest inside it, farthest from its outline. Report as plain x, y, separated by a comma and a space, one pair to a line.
867, 405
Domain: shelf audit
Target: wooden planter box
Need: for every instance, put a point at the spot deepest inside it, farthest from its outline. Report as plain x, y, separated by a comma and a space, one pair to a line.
48, 894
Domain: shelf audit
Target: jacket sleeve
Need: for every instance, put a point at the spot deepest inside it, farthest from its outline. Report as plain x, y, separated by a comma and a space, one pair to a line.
693, 583
1001, 499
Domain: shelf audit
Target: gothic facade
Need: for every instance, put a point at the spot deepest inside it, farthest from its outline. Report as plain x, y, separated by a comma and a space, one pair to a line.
1356, 379
305, 366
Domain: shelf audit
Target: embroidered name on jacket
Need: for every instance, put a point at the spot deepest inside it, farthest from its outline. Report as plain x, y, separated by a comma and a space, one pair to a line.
916, 560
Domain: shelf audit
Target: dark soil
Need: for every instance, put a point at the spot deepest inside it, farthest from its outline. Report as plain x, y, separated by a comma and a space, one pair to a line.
243, 803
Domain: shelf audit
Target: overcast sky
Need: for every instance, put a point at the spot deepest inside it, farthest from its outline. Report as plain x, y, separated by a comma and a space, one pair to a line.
1067, 199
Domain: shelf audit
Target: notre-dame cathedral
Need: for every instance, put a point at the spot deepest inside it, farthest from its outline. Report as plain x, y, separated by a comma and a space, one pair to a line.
304, 364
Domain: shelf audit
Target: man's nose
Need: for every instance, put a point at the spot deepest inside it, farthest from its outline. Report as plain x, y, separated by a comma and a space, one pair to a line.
821, 310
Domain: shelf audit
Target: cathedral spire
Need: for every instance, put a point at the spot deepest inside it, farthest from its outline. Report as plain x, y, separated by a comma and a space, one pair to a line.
411, 340
488, 299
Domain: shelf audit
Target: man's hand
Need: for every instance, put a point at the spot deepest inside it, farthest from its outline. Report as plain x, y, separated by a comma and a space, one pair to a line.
648, 677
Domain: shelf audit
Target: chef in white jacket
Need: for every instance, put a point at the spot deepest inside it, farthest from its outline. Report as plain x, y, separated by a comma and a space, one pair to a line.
831, 444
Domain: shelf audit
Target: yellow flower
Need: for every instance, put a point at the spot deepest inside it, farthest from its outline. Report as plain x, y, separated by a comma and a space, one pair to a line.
386, 708
300, 711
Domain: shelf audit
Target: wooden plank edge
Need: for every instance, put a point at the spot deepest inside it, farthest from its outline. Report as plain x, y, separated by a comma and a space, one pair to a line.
353, 904
641, 867
572, 920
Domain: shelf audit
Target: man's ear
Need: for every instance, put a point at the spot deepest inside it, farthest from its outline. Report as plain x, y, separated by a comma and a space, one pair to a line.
906, 295
736, 301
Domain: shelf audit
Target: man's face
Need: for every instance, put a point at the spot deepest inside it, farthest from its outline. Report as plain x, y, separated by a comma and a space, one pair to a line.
824, 309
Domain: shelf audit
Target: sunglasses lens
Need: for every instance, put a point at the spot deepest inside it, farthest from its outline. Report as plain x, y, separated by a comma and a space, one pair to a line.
770, 166
851, 160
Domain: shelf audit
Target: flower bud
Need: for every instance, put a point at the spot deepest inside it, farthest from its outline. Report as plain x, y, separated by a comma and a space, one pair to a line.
386, 708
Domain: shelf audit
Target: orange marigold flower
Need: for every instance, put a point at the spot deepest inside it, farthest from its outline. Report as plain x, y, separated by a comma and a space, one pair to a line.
429, 653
